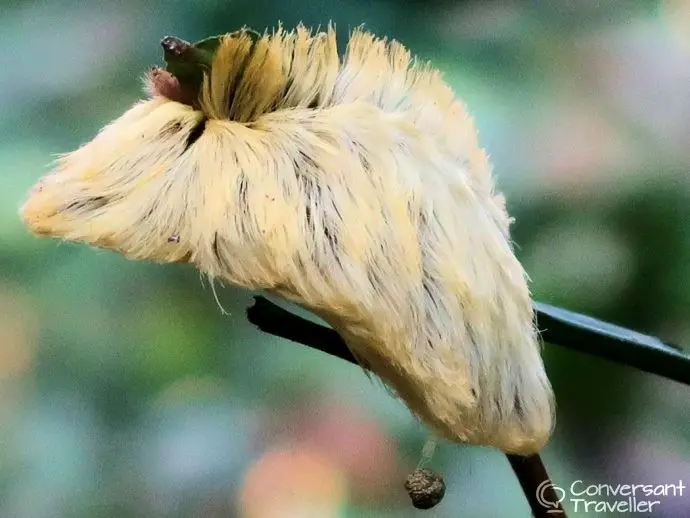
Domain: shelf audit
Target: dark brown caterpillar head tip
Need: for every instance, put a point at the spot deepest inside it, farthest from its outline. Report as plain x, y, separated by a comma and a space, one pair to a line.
161, 82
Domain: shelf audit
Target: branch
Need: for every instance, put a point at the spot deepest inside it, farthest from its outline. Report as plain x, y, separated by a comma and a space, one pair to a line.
271, 318
614, 343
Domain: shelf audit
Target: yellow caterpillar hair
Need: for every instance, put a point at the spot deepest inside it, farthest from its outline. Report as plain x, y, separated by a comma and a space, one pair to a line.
351, 185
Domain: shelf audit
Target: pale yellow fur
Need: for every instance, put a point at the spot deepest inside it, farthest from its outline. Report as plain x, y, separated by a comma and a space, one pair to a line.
354, 186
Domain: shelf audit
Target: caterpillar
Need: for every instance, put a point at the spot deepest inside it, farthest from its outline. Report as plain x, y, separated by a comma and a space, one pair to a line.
351, 184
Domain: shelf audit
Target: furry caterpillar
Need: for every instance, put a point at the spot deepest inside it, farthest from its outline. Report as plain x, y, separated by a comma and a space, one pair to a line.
353, 186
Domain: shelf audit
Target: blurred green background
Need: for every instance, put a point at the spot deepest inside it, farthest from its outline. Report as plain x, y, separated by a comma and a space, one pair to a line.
124, 392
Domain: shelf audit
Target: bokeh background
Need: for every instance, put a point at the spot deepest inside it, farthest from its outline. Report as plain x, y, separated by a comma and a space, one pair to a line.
125, 392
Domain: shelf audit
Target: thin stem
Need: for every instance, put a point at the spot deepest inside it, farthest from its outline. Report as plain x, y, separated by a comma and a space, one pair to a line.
537, 486
271, 318
614, 343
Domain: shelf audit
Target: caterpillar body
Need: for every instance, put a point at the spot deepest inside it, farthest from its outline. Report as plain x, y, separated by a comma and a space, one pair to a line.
353, 185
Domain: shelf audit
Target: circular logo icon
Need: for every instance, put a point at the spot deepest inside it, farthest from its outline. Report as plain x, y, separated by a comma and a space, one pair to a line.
546, 491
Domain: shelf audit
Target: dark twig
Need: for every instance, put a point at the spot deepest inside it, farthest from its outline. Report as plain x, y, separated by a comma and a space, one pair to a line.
537, 486
271, 318
614, 343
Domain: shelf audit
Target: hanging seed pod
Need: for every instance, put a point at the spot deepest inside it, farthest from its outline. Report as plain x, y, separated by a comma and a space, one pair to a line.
426, 488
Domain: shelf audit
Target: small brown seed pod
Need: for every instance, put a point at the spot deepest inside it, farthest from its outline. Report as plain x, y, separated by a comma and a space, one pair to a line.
426, 488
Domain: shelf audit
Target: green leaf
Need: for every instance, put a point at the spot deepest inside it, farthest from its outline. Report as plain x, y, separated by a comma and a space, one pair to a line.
181, 59
209, 45
189, 61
